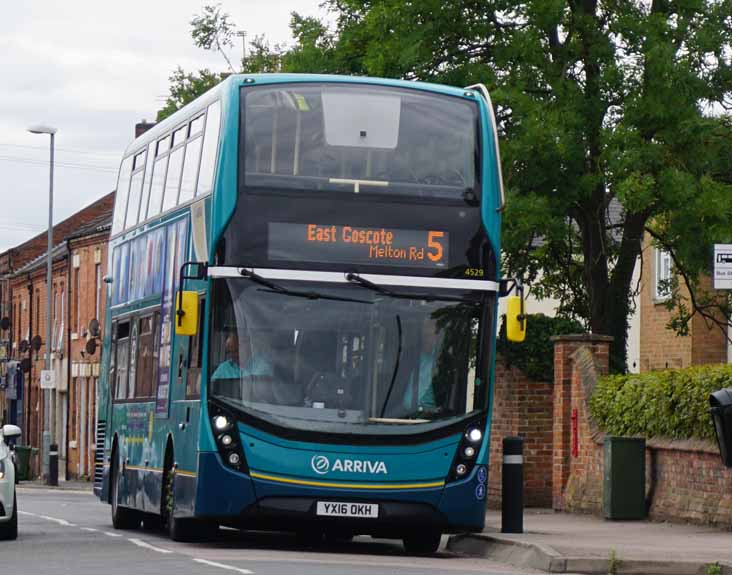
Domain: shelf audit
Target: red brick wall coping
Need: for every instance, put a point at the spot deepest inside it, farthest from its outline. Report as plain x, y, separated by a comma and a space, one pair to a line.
584, 337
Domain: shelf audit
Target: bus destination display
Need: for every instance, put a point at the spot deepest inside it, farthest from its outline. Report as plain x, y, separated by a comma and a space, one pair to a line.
330, 243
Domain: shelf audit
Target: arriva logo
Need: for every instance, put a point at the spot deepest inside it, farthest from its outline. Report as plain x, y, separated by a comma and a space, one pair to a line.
321, 465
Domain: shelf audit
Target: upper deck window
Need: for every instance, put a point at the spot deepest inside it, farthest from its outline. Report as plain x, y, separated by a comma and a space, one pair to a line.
359, 139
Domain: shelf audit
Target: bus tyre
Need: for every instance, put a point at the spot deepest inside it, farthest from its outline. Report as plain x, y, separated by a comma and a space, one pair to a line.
9, 530
422, 543
183, 529
122, 517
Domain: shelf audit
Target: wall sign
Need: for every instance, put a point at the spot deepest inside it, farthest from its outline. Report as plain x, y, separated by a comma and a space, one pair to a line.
722, 266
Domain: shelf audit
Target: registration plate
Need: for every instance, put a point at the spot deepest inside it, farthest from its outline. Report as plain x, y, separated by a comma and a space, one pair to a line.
338, 509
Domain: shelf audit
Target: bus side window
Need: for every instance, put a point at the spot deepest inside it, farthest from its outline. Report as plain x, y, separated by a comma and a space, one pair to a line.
122, 360
195, 356
112, 361
132, 370
210, 147
155, 354
144, 376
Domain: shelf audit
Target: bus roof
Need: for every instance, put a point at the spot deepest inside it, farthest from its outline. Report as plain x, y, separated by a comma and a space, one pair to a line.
200, 103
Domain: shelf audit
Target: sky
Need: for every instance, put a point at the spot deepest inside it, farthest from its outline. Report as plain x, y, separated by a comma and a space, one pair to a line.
93, 70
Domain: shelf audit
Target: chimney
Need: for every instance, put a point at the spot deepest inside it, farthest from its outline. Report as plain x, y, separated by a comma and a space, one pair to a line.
142, 127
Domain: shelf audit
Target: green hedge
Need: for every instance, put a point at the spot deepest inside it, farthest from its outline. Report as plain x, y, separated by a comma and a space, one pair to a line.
672, 403
535, 355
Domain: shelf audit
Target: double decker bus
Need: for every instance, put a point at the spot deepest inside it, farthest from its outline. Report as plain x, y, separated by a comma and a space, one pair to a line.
302, 289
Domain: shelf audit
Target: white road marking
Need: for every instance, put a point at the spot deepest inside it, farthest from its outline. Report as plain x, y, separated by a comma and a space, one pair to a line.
222, 566
111, 534
141, 543
90, 529
27, 513
59, 521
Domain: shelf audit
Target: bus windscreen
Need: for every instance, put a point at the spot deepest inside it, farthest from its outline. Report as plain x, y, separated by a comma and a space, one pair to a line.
344, 359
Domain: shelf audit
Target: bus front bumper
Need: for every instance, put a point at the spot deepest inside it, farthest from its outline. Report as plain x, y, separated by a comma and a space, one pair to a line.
239, 500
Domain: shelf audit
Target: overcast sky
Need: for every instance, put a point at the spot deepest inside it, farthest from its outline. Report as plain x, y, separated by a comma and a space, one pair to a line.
92, 70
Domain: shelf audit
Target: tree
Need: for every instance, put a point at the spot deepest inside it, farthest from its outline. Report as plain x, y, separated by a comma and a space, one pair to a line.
613, 118
610, 123
186, 87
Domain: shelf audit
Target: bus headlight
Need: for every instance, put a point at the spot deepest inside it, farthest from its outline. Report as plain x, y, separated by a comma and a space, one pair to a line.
221, 422
461, 469
474, 435
234, 459
469, 451
226, 440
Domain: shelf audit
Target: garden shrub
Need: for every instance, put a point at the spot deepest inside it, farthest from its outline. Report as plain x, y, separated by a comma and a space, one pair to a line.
672, 403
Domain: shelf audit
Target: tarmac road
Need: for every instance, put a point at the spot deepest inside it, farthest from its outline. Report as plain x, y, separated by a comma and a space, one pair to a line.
70, 532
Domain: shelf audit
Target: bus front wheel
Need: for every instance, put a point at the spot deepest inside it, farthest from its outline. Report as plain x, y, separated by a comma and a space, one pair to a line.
122, 517
422, 543
182, 529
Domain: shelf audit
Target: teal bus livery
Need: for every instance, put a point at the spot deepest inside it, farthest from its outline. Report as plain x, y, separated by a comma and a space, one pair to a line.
302, 296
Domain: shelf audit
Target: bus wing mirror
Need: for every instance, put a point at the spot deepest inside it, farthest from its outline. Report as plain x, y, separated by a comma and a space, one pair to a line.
186, 313
515, 319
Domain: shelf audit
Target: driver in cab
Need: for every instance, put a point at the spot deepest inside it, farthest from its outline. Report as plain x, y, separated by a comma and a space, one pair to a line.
254, 365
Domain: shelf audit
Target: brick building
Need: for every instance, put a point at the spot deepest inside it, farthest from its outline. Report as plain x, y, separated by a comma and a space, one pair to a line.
79, 257
661, 347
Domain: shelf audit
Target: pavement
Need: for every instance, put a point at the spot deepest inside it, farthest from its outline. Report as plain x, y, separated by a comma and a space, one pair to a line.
73, 485
570, 543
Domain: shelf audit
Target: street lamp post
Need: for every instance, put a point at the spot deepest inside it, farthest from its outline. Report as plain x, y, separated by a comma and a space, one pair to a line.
47, 432
243, 35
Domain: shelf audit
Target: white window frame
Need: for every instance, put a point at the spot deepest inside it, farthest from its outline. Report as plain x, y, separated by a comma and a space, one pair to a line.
662, 272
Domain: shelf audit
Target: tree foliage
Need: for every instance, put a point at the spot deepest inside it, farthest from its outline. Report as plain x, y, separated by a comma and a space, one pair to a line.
186, 87
613, 118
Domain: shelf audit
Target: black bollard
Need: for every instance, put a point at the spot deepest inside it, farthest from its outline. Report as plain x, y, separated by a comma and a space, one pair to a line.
53, 464
512, 498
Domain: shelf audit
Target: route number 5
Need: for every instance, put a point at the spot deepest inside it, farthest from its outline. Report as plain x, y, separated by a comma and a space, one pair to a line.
434, 243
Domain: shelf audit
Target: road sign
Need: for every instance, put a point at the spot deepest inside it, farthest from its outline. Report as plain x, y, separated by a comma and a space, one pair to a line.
722, 266
48, 379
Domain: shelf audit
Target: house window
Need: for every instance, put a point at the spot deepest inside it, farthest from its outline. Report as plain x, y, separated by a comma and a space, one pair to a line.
662, 274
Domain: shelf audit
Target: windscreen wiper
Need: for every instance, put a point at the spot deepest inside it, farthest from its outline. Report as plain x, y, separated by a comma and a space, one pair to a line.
363, 282
276, 288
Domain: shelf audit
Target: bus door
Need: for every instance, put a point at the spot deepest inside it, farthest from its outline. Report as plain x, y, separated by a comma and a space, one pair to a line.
186, 394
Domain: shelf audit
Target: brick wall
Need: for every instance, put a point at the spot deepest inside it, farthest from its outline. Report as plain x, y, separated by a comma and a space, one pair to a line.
522, 407
709, 344
689, 483
685, 480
